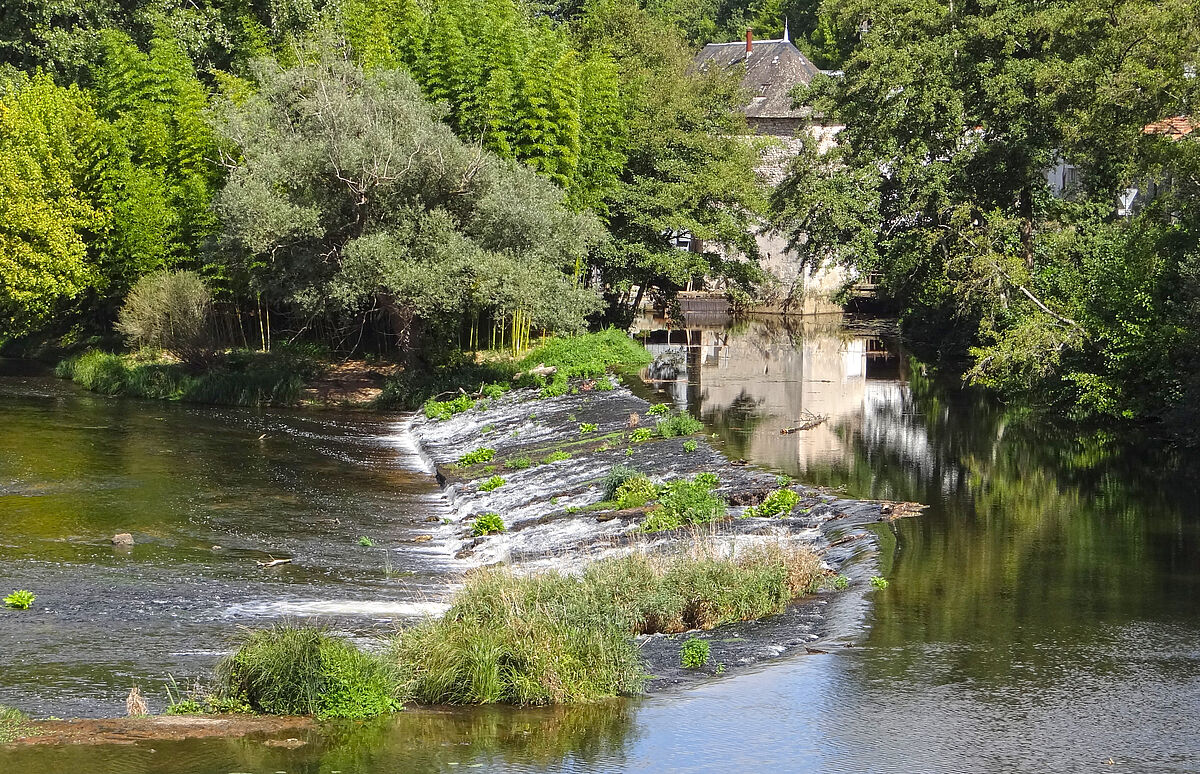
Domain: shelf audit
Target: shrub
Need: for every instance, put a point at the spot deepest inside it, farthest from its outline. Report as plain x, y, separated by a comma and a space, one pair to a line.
493, 391
635, 492
557, 456
477, 456
366, 542
690, 446
588, 356
444, 409
879, 582
487, 524
677, 425
20, 600
169, 311
185, 707
617, 475
777, 502
694, 653
641, 434
495, 482
840, 583
683, 502
302, 670
518, 463
587, 427
658, 410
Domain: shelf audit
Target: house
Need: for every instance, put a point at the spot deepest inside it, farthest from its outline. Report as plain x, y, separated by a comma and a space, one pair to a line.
770, 70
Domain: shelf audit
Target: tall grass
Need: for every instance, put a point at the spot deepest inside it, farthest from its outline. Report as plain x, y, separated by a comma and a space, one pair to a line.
555, 638
302, 670
238, 379
13, 724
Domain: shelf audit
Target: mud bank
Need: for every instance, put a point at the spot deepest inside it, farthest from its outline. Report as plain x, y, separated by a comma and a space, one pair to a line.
553, 455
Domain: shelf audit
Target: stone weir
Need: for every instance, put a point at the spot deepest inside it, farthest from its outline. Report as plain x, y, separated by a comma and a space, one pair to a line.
545, 478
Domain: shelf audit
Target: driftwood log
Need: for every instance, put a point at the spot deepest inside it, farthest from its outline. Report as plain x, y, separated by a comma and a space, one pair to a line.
807, 421
274, 562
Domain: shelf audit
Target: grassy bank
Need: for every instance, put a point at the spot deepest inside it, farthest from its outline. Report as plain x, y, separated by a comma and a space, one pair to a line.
489, 374
236, 378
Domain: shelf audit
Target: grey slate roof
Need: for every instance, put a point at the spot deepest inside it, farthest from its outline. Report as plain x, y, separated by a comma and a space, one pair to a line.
772, 69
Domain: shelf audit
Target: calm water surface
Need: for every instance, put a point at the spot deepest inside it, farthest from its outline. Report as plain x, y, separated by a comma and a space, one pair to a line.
1041, 616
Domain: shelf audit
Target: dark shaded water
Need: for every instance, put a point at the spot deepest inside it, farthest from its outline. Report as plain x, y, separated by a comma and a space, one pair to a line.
1041, 616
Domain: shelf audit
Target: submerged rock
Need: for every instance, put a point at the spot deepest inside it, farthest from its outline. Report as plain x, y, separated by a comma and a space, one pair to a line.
122, 539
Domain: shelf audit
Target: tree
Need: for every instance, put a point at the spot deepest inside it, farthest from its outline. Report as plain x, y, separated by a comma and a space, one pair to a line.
348, 199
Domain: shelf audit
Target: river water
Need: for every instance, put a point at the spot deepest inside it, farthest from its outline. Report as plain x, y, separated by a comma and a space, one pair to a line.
1040, 616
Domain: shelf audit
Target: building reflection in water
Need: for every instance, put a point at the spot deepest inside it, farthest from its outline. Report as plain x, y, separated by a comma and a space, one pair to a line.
751, 379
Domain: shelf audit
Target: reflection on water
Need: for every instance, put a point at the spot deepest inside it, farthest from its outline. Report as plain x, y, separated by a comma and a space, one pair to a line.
1042, 615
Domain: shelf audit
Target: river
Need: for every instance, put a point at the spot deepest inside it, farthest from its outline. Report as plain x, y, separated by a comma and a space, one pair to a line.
1040, 616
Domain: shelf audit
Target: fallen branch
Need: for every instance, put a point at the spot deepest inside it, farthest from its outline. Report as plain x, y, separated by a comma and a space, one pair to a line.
274, 562
808, 421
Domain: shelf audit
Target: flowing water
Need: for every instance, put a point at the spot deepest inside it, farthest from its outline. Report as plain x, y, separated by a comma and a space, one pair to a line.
1040, 616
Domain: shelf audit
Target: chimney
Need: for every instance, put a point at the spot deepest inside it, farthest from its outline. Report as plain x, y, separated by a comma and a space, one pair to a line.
749, 39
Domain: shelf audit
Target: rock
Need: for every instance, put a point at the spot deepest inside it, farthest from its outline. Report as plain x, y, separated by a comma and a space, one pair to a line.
122, 539
422, 538
431, 519
463, 554
216, 548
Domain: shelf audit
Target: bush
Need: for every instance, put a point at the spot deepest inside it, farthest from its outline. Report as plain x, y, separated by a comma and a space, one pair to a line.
879, 582
487, 524
617, 475
302, 670
587, 427
777, 502
658, 410
495, 482
169, 311
683, 502
477, 456
694, 653
587, 356
641, 434
677, 425
20, 600
635, 492
366, 542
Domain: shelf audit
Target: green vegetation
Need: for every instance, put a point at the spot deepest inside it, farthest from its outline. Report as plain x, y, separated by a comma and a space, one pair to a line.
684, 502
635, 492
1054, 296
641, 435
658, 410
840, 583
879, 582
13, 724
694, 653
587, 427
293, 670
557, 456
678, 425
366, 542
495, 482
487, 524
554, 638
20, 600
518, 463
617, 475
690, 446
781, 501
476, 457
444, 409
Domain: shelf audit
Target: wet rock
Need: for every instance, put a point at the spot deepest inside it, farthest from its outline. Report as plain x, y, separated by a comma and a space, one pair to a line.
287, 744
422, 538
431, 519
122, 539
753, 496
627, 513
464, 554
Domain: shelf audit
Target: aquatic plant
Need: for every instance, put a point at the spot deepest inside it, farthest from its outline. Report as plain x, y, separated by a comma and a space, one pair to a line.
185, 707
617, 475
840, 583
20, 600
303, 670
489, 469
635, 492
628, 451
777, 502
658, 410
678, 425
641, 434
587, 427
476, 456
444, 409
694, 653
366, 542
690, 446
495, 482
557, 456
518, 463
553, 638
879, 582
487, 524
13, 724
782, 481
683, 502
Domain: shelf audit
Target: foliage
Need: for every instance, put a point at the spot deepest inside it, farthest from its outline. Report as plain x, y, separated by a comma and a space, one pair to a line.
20, 600
587, 427
554, 638
495, 482
366, 542
556, 456
780, 501
694, 653
518, 463
879, 582
683, 502
617, 475
840, 583
690, 446
295, 670
487, 524
678, 425
168, 311
13, 724
641, 435
635, 492
659, 409
475, 457
444, 409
